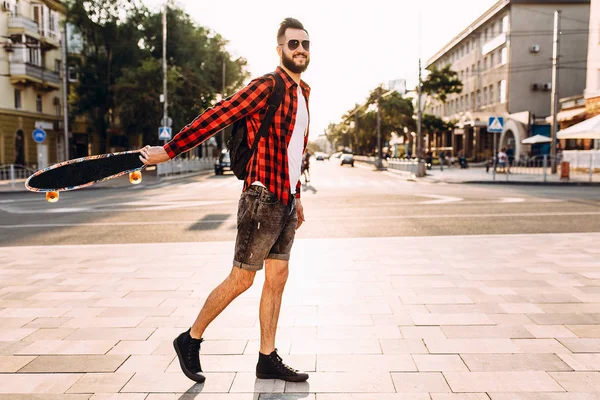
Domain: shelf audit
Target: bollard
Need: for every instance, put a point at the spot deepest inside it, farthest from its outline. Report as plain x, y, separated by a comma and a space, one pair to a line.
564, 170
544, 168
12, 176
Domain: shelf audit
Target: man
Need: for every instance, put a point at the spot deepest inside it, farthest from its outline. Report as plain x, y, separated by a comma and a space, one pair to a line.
442, 159
269, 210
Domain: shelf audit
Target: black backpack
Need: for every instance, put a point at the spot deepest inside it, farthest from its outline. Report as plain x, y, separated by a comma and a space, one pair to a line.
238, 143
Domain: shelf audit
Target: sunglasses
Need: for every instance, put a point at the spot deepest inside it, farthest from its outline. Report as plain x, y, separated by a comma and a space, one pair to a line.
294, 43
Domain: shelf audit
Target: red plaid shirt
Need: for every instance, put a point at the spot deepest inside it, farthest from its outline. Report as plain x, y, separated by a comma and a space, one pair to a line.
269, 165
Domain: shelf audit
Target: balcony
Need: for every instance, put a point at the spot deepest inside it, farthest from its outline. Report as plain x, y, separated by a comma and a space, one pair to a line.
24, 72
19, 25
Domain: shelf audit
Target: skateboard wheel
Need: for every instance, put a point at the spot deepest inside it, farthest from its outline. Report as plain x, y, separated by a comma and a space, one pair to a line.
52, 197
135, 177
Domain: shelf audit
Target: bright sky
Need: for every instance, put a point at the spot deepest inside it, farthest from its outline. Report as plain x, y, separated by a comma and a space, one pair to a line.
355, 46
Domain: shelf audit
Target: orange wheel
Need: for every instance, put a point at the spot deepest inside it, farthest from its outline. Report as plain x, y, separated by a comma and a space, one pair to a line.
51, 197
135, 177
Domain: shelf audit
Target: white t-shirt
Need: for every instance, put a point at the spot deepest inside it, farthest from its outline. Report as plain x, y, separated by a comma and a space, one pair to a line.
296, 146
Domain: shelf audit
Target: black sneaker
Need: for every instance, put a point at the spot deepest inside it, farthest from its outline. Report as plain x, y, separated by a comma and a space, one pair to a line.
188, 352
272, 367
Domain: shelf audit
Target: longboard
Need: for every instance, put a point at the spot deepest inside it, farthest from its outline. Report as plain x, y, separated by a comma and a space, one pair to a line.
86, 171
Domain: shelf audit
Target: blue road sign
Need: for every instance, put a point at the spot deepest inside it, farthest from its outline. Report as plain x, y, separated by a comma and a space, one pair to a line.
495, 124
164, 133
39, 135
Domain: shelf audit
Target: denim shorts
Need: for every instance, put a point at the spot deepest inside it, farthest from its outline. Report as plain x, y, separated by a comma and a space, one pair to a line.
265, 228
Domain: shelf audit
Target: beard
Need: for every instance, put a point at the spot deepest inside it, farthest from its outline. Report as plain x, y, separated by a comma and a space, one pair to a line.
290, 64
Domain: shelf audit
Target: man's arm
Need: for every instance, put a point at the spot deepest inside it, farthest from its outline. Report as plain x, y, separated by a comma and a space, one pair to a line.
247, 101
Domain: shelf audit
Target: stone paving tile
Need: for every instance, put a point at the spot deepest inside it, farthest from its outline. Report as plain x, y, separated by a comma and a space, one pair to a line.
451, 319
363, 396
420, 382
247, 382
101, 382
442, 362
403, 346
139, 347
58, 347
49, 334
364, 363
486, 332
14, 363
455, 346
146, 363
177, 382
110, 333
550, 331
540, 346
582, 362
31, 396
514, 362
522, 381
545, 396
119, 396
359, 332
578, 381
65, 364
581, 345
37, 383
344, 382
459, 396
337, 346
585, 331
422, 332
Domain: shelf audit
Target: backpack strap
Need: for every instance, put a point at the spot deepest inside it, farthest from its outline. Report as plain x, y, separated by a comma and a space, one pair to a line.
273, 104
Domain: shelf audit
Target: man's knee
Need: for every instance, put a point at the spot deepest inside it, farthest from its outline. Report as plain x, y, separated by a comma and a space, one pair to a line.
242, 279
276, 272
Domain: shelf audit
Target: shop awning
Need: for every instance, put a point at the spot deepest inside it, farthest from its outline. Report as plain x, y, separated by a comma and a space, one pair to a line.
588, 129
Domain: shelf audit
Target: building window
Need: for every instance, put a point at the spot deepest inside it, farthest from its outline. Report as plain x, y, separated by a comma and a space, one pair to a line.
57, 65
485, 96
504, 56
38, 103
492, 98
478, 99
502, 91
17, 99
492, 60
467, 73
505, 24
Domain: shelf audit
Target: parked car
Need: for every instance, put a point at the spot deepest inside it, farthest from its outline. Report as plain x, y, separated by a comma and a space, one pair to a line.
223, 163
347, 159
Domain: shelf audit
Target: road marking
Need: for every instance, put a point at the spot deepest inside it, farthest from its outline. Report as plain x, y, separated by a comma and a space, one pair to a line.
511, 200
439, 199
383, 217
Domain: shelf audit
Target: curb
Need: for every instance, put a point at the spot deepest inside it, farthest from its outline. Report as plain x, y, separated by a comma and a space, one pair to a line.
20, 186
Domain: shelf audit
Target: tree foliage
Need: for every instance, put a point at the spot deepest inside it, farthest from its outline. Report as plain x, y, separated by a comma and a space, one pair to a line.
442, 82
120, 71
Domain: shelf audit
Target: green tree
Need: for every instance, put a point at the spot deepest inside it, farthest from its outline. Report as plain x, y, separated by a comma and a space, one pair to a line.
111, 31
442, 82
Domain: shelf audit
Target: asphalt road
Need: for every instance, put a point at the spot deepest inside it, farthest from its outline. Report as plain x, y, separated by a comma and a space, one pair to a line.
339, 202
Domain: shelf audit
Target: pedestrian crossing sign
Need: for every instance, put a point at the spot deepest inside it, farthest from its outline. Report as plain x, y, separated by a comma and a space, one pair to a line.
495, 124
164, 133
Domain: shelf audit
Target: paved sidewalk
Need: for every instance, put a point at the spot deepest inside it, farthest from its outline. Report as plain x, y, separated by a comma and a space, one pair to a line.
442, 318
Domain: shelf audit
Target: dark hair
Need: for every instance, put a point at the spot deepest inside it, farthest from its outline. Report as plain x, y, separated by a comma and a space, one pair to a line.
291, 23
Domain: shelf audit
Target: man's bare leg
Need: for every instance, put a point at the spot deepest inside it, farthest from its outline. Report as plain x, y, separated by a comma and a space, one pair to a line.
276, 274
238, 281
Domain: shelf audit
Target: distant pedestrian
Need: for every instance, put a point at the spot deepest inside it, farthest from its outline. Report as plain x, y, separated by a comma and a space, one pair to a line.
502, 157
306, 167
442, 156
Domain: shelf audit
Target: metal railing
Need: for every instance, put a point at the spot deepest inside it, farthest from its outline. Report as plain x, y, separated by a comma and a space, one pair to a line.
14, 174
181, 166
411, 165
580, 164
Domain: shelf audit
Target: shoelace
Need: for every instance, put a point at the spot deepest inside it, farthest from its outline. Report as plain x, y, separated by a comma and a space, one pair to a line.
193, 356
283, 367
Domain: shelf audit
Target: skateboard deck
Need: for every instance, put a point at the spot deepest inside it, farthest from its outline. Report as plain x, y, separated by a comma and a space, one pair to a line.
86, 171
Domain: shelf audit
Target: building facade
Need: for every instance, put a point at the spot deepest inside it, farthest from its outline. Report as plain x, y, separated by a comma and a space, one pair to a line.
592, 89
30, 81
504, 60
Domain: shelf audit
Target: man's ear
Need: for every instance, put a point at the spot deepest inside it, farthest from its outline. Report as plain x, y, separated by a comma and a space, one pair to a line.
279, 50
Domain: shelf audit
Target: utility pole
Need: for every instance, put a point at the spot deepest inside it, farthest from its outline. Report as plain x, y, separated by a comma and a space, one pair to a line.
223, 97
554, 100
65, 90
165, 105
379, 164
419, 114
